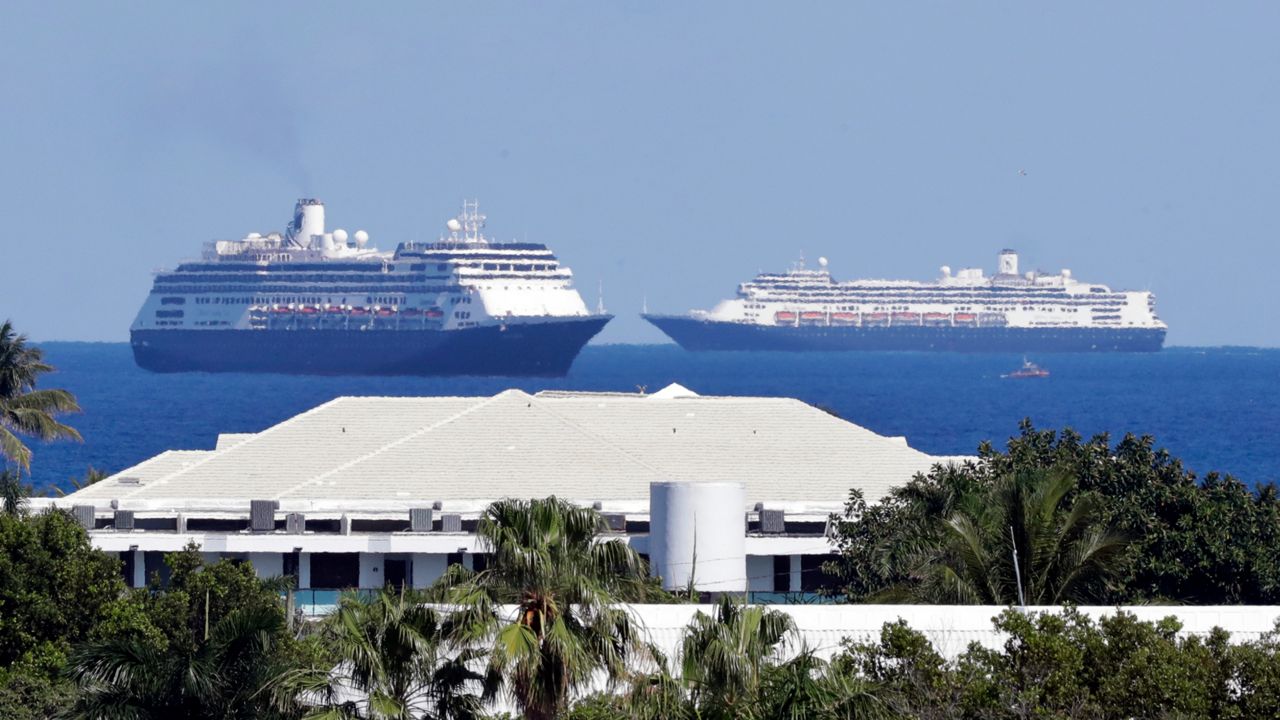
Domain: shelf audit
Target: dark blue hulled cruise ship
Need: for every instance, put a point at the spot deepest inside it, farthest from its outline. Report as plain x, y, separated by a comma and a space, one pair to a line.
311, 301
806, 310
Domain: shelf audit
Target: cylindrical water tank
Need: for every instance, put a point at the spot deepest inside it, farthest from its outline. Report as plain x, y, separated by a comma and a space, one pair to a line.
697, 533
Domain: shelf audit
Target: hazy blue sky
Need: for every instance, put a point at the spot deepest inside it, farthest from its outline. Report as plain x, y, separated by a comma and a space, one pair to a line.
668, 150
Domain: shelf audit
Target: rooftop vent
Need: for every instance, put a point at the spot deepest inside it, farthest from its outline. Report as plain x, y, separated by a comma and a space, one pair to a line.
83, 515
773, 522
262, 515
135, 481
123, 520
295, 523
420, 519
451, 523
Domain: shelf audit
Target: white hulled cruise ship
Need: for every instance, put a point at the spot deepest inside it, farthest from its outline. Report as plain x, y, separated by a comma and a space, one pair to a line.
967, 311
315, 301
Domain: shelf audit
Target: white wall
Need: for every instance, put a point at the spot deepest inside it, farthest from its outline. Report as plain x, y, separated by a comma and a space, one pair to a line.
426, 568
267, 565
760, 573
949, 627
371, 570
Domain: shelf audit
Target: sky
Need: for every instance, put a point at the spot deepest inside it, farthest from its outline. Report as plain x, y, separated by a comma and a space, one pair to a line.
665, 150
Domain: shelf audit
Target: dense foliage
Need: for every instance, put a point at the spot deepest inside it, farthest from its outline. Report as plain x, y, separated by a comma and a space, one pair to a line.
1207, 541
204, 646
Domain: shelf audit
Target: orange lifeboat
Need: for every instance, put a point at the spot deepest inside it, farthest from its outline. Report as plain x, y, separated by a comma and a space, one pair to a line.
784, 317
844, 318
907, 318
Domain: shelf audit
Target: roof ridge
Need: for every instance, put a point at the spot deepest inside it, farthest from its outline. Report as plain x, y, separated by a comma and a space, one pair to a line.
600, 439
483, 401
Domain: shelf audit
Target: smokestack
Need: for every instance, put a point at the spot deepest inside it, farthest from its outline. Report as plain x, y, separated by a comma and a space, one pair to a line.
308, 221
1008, 262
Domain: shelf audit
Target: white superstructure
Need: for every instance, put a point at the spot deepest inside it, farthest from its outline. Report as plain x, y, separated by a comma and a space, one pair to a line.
966, 298
309, 277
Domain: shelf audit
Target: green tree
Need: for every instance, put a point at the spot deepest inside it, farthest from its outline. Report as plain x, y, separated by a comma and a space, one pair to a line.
1025, 541
391, 657
547, 559
54, 585
13, 493
221, 678
723, 657
204, 646
55, 591
24, 410
1208, 541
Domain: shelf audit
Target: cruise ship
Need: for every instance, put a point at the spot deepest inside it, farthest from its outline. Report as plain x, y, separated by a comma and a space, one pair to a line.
968, 311
312, 301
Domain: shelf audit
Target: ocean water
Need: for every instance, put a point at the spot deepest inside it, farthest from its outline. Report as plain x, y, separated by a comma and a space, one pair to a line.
1217, 409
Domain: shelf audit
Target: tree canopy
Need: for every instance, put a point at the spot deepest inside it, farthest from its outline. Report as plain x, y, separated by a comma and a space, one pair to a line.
1171, 536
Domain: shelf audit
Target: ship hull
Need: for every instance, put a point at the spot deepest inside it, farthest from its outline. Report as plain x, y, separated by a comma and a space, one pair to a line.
702, 335
544, 348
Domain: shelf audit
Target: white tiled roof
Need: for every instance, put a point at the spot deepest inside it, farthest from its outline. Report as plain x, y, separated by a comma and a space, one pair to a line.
582, 446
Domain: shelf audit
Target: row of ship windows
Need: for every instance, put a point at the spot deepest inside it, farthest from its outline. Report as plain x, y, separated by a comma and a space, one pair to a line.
278, 276
333, 289
958, 308
1030, 304
283, 299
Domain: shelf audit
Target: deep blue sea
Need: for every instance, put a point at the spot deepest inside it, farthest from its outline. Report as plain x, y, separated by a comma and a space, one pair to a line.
1217, 409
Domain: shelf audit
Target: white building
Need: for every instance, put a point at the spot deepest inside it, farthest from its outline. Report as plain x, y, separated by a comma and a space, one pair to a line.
367, 491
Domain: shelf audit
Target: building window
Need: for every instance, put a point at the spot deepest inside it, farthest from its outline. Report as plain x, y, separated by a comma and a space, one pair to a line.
781, 573
335, 571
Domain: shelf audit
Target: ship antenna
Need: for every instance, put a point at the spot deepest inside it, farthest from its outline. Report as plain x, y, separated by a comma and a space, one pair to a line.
644, 304
600, 298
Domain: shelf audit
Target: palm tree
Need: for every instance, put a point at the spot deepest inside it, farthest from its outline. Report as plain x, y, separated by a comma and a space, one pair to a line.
723, 658
126, 678
1026, 541
546, 560
25, 411
13, 493
391, 657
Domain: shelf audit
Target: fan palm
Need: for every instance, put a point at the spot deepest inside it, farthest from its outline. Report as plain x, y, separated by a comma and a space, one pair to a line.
723, 657
13, 493
220, 679
1027, 540
565, 583
390, 657
24, 410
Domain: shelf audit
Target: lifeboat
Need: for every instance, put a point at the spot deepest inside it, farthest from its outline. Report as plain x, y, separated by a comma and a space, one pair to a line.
936, 318
435, 313
876, 318
844, 318
358, 311
411, 313
281, 311
813, 318
906, 318
784, 317
964, 318
308, 310
334, 310
384, 312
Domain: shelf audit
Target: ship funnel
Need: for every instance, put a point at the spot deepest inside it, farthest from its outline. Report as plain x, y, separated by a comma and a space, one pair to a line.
308, 221
1008, 262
